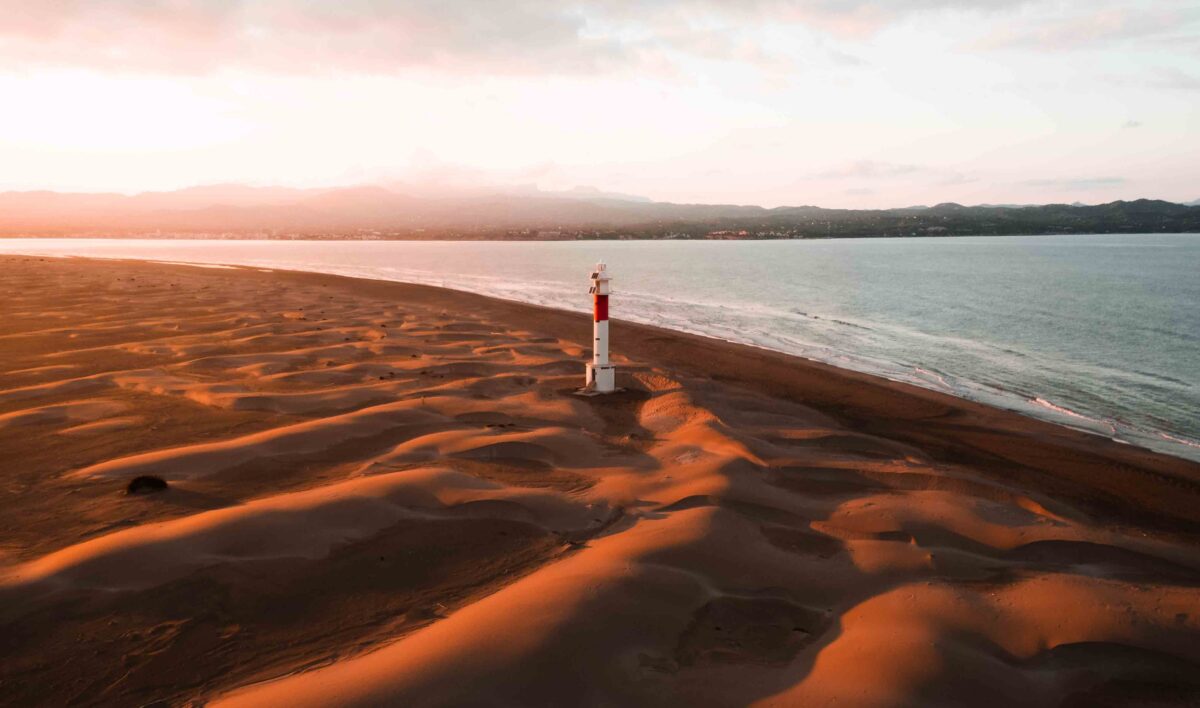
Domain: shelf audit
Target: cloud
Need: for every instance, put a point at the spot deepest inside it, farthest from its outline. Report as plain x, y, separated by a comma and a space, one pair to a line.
1174, 79
1132, 124
873, 171
301, 36
1164, 78
854, 18
1101, 25
954, 178
845, 58
880, 12
383, 36
1075, 183
867, 169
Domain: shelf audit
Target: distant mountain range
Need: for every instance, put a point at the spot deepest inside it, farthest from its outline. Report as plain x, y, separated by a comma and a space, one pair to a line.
380, 212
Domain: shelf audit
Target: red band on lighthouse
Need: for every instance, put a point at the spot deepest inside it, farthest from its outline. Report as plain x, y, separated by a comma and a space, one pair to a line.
601, 309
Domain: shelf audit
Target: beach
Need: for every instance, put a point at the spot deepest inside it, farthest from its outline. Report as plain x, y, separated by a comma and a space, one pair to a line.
390, 494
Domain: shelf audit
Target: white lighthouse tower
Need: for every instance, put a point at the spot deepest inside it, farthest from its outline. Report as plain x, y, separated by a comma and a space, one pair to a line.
601, 375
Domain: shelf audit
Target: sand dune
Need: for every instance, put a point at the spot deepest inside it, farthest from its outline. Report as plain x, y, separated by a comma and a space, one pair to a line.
384, 494
306, 524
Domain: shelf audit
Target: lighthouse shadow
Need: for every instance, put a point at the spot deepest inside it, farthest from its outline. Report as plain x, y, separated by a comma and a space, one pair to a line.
619, 412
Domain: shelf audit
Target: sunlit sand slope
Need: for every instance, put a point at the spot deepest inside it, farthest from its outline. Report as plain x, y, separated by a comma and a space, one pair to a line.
383, 494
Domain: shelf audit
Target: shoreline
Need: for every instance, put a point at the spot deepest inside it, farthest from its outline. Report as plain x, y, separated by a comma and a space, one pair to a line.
382, 493
872, 409
1035, 405
864, 401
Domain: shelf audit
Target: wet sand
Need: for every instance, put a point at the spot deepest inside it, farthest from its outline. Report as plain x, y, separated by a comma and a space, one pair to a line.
387, 494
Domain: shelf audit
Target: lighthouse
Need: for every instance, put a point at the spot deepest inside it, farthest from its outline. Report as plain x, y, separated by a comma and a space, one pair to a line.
601, 375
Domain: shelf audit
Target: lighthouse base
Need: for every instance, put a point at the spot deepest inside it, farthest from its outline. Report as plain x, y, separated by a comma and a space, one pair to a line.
601, 379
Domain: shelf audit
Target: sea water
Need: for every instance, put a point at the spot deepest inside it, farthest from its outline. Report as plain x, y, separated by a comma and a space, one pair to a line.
1100, 332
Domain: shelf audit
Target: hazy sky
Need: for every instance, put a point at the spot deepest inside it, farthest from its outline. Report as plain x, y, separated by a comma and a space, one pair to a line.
829, 102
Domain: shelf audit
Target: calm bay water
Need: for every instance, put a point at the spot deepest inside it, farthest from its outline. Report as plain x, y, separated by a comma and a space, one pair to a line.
1098, 332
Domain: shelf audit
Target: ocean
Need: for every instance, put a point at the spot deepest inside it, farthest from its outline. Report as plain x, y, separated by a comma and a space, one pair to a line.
1099, 332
